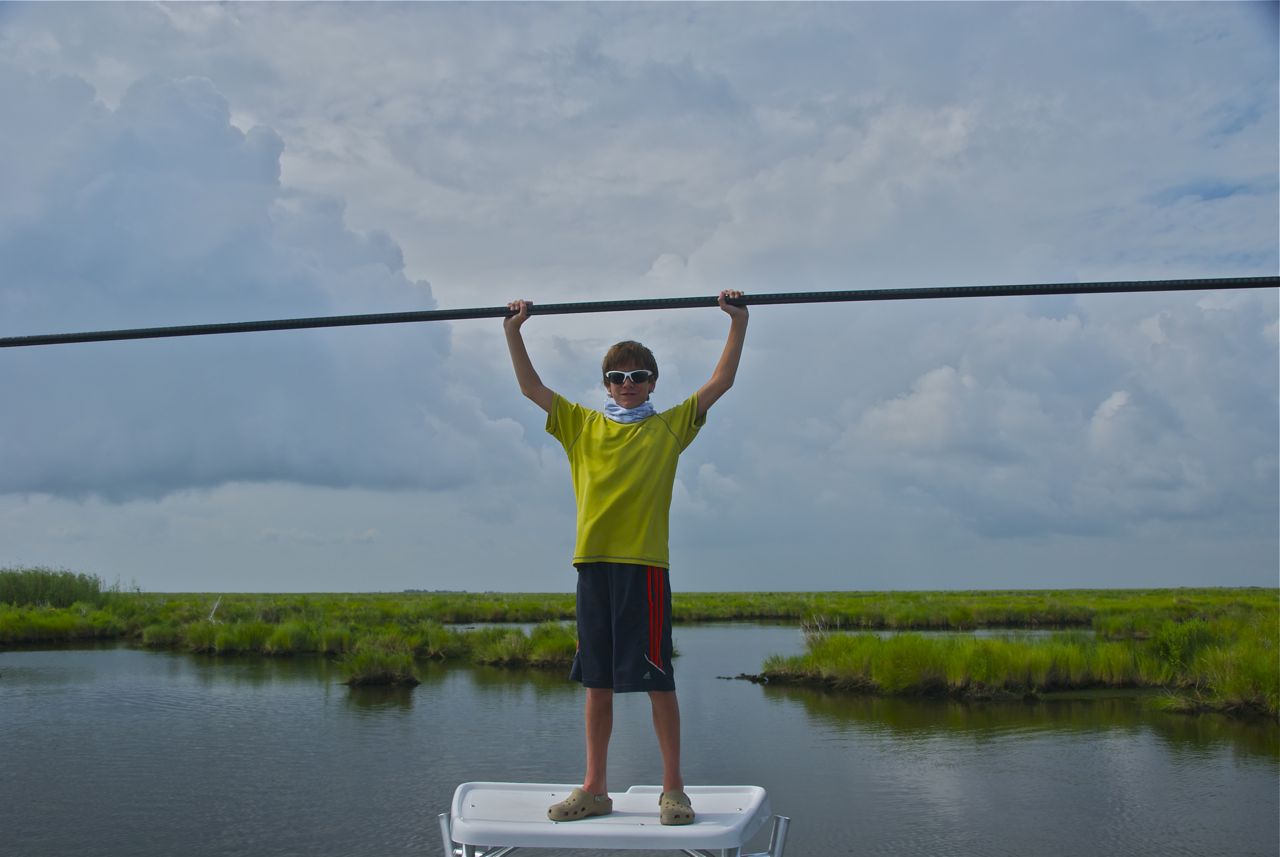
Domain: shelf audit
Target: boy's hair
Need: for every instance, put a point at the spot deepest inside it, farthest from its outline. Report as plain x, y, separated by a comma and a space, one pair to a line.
631, 354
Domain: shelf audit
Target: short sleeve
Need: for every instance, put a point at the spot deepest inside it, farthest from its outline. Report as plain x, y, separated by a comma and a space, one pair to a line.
683, 421
565, 421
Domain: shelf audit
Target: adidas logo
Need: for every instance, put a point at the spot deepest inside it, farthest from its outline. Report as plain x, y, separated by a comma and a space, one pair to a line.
647, 676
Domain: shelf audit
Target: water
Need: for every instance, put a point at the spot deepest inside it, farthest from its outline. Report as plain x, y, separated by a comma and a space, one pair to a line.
115, 751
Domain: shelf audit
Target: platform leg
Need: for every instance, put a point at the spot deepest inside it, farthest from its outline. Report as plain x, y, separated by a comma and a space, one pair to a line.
449, 850
778, 839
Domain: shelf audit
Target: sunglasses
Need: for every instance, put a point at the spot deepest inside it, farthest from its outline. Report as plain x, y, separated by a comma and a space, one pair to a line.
635, 376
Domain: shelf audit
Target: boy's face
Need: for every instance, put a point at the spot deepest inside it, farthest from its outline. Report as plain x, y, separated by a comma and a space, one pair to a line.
629, 394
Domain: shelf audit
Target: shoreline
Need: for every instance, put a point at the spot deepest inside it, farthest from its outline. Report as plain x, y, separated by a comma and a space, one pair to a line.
1213, 649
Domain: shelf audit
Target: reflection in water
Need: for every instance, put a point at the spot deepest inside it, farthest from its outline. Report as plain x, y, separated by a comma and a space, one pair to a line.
539, 681
380, 698
1091, 713
124, 752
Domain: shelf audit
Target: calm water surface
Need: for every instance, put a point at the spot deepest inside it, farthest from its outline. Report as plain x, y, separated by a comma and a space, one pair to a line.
123, 752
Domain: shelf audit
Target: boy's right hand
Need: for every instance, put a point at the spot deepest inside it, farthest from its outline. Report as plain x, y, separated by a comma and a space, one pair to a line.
530, 384
521, 308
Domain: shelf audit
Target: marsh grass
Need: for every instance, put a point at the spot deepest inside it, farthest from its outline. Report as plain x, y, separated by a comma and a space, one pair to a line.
162, 636
549, 644
500, 647
200, 637
1223, 665
381, 659
292, 637
1210, 648
241, 638
553, 644
433, 640
51, 588
77, 623
1113, 614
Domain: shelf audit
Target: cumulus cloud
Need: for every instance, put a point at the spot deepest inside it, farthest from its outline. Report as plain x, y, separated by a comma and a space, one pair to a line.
175, 163
1044, 426
160, 211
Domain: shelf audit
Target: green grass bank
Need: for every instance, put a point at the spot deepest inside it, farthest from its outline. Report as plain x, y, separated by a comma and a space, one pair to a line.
1229, 664
1211, 648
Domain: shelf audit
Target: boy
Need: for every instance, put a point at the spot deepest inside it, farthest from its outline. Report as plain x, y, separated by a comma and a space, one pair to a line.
623, 465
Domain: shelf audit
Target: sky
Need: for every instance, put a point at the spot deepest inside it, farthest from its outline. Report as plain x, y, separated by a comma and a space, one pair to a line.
195, 163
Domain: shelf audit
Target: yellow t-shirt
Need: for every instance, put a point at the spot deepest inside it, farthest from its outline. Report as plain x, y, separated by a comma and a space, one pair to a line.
623, 474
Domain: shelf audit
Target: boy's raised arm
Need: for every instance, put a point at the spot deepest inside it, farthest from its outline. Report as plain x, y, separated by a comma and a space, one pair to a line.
530, 384
727, 369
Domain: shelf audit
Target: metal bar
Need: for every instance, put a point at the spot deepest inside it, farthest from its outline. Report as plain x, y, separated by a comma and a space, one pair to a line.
778, 839
648, 304
449, 849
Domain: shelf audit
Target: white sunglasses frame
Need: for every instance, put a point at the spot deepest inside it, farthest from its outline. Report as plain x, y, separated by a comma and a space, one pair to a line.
626, 376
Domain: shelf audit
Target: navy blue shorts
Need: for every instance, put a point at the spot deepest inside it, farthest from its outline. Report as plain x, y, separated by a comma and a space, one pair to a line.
624, 628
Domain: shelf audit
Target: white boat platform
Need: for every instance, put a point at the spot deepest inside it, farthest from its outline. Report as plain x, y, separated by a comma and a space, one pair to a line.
494, 819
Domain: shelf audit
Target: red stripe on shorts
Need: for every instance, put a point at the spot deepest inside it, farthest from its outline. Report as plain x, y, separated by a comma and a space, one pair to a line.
656, 602
648, 582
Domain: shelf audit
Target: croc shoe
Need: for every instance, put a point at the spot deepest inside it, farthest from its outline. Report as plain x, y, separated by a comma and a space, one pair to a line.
580, 804
674, 808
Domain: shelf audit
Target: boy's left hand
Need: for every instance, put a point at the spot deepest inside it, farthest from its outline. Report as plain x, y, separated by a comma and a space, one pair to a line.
735, 312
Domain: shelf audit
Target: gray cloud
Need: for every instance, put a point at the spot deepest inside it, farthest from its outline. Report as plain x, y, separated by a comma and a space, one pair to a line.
162, 212
1085, 424
233, 169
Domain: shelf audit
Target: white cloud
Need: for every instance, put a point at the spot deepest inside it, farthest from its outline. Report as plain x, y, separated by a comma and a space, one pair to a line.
925, 419
1108, 420
164, 213
169, 164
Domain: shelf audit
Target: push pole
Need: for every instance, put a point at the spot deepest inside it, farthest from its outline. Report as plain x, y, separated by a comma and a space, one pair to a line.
928, 293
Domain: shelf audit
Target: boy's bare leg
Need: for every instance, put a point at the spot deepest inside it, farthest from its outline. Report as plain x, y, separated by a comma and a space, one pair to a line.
666, 724
599, 726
